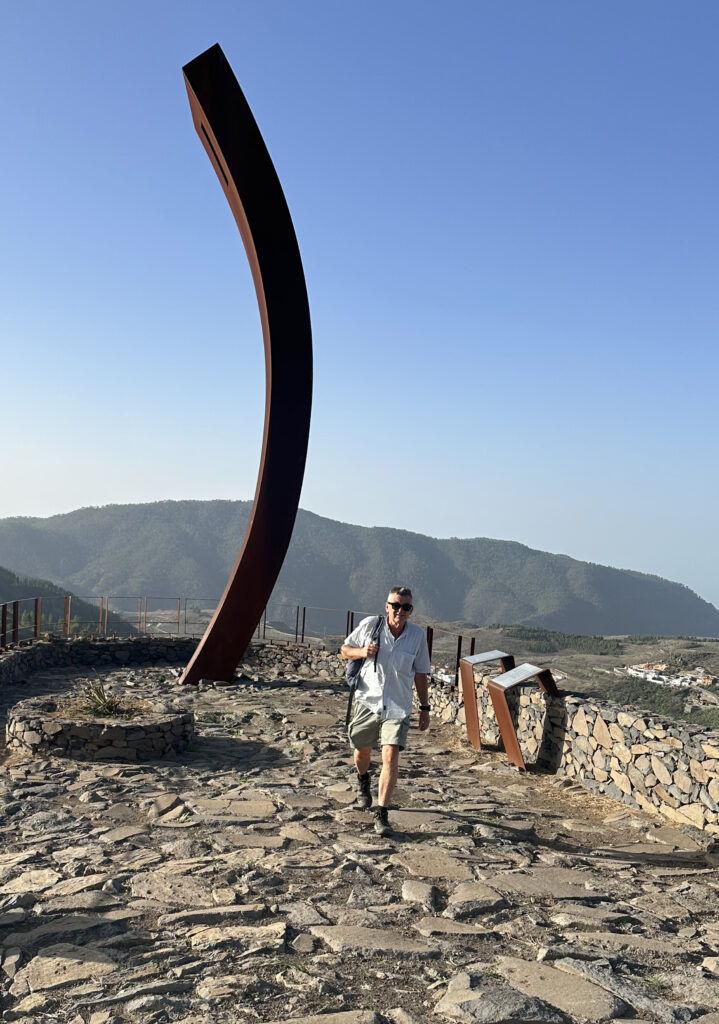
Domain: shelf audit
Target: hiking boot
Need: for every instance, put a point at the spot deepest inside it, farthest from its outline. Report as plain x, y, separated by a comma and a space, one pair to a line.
364, 792
381, 825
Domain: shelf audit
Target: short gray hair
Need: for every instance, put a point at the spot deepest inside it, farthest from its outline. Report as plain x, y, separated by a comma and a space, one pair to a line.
401, 592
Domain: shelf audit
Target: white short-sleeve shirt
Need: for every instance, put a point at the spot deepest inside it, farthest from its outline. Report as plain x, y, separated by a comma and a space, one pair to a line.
387, 689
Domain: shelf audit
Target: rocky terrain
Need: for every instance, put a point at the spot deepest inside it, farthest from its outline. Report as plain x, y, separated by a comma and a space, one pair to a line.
237, 881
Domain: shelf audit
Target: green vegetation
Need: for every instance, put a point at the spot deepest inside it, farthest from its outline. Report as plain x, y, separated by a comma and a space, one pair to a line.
667, 701
189, 547
99, 702
96, 701
545, 641
84, 615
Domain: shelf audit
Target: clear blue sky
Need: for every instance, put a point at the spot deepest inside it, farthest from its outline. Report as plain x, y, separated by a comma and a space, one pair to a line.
508, 219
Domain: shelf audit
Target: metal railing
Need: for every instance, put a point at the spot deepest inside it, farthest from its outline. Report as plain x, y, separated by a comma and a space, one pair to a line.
26, 619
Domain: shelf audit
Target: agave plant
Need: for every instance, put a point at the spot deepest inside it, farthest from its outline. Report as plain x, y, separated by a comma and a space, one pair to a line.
100, 702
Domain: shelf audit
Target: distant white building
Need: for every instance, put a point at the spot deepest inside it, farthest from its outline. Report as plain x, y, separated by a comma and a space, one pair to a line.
657, 674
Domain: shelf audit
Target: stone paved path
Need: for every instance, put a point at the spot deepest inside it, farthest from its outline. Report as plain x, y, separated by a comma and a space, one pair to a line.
239, 883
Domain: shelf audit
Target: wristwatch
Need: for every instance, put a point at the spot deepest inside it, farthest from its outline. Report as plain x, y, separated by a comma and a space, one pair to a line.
425, 707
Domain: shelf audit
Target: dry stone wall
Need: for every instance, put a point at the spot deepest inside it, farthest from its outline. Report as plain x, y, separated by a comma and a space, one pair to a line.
38, 725
62, 652
266, 661
670, 768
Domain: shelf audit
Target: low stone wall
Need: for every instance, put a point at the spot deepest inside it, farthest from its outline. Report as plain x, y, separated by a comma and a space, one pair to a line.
275, 661
40, 726
62, 652
671, 768
262, 660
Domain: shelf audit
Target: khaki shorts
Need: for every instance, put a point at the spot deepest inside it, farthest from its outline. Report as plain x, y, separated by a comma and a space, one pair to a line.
366, 728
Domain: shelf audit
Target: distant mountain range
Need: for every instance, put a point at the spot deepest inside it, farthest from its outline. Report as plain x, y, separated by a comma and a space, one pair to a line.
188, 548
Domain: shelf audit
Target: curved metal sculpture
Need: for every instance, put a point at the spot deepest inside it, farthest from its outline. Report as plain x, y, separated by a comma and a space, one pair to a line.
228, 131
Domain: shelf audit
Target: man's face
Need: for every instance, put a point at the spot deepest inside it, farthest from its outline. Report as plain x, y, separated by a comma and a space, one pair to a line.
396, 617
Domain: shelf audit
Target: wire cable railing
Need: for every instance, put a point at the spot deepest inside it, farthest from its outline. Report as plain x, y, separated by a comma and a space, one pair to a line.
28, 619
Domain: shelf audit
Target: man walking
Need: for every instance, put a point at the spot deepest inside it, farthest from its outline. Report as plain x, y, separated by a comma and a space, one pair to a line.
395, 664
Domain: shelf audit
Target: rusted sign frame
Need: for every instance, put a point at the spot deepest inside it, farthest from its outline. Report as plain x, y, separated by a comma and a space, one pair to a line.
498, 693
224, 122
469, 694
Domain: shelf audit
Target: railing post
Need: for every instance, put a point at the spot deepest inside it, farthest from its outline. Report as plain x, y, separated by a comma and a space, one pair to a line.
64, 616
459, 658
99, 616
38, 617
139, 614
352, 622
264, 625
107, 608
185, 633
297, 623
144, 622
304, 616
69, 613
15, 621
430, 640
179, 614
3, 626
471, 646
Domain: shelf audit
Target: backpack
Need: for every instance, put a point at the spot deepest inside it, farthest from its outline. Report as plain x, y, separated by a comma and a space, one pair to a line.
355, 664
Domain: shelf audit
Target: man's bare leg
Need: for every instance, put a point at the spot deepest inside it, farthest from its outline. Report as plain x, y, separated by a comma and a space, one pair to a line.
362, 759
390, 769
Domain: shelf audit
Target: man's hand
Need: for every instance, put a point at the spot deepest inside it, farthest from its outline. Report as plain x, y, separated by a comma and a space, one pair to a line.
370, 650
423, 720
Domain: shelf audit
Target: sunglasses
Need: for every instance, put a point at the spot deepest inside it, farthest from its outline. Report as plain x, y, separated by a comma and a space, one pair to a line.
396, 606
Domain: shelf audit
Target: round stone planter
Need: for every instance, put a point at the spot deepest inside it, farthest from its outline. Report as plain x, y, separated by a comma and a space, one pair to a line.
40, 726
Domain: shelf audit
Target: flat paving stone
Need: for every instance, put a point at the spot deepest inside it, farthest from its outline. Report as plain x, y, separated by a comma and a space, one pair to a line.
578, 997
422, 821
61, 965
176, 890
214, 915
311, 719
442, 926
75, 926
346, 1017
371, 942
472, 898
119, 835
242, 839
90, 899
262, 937
31, 881
305, 860
425, 861
257, 809
485, 999
300, 834
557, 883
416, 891
637, 943
570, 915
346, 841
305, 801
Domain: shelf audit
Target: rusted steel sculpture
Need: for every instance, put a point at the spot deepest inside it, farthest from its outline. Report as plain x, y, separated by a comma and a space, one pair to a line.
228, 132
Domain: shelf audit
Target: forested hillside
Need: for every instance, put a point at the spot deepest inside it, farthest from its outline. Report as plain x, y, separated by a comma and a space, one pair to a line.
23, 588
188, 548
